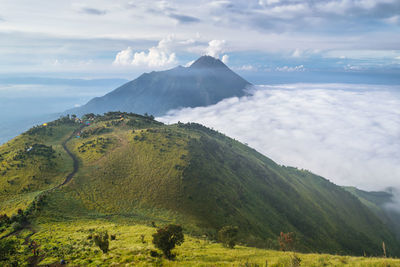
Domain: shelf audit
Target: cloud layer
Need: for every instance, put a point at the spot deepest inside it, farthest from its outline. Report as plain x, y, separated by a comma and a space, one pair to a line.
31, 36
349, 134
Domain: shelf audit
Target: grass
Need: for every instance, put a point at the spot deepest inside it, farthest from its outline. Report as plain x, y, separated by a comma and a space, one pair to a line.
133, 171
32, 163
69, 240
142, 167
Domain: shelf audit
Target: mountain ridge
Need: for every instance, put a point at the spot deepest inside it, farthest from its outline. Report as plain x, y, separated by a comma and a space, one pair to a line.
206, 82
136, 167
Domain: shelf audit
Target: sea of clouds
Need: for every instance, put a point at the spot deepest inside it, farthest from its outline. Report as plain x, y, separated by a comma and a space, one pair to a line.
349, 134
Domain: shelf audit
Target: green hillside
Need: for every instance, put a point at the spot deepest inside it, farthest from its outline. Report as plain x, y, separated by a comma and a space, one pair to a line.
141, 171
32, 163
377, 202
132, 246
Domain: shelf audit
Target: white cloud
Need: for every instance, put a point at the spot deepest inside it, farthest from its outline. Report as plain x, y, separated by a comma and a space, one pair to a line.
262, 26
393, 20
189, 63
349, 134
297, 53
286, 11
225, 59
362, 54
352, 67
156, 56
246, 68
291, 69
215, 48
124, 57
268, 2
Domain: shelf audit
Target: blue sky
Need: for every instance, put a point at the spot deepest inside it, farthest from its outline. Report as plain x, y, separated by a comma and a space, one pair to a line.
265, 38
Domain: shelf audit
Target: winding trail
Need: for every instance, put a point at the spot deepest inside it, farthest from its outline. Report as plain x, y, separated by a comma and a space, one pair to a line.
67, 180
74, 159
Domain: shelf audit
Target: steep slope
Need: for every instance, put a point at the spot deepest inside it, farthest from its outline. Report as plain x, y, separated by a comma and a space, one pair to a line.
142, 170
379, 202
205, 82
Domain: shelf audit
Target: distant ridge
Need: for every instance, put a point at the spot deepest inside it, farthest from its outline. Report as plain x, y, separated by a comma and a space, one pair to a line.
207, 81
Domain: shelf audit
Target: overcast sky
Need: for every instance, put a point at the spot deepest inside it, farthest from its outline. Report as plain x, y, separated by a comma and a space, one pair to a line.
123, 38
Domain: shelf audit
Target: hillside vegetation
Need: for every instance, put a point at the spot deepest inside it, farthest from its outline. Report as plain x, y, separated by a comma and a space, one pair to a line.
33, 162
72, 242
140, 171
377, 202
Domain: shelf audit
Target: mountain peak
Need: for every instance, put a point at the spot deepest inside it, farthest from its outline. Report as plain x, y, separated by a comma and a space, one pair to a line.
206, 82
208, 62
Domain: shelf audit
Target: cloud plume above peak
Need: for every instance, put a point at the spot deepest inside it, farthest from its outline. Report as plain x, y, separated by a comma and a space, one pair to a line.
349, 134
155, 57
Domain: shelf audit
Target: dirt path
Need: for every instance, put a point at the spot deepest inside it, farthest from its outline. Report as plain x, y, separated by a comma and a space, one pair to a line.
67, 180
74, 159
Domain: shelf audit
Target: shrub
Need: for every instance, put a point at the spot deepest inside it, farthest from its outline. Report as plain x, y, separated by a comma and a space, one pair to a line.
4, 220
154, 254
286, 241
167, 238
228, 235
101, 240
16, 226
8, 247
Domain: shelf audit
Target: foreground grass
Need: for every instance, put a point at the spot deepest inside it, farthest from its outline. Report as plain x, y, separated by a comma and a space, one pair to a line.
132, 245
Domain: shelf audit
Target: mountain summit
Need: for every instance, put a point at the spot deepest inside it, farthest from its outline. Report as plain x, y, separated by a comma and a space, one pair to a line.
208, 62
206, 82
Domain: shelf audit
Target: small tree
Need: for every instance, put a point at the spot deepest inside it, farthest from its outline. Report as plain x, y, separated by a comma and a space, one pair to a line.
167, 238
228, 235
101, 240
286, 241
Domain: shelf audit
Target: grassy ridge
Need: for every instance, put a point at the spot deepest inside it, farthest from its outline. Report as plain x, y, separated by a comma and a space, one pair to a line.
136, 168
229, 183
31, 163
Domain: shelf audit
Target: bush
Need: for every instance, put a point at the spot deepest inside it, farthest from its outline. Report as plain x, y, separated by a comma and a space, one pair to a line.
8, 247
228, 235
4, 219
16, 226
167, 238
101, 240
154, 254
287, 241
